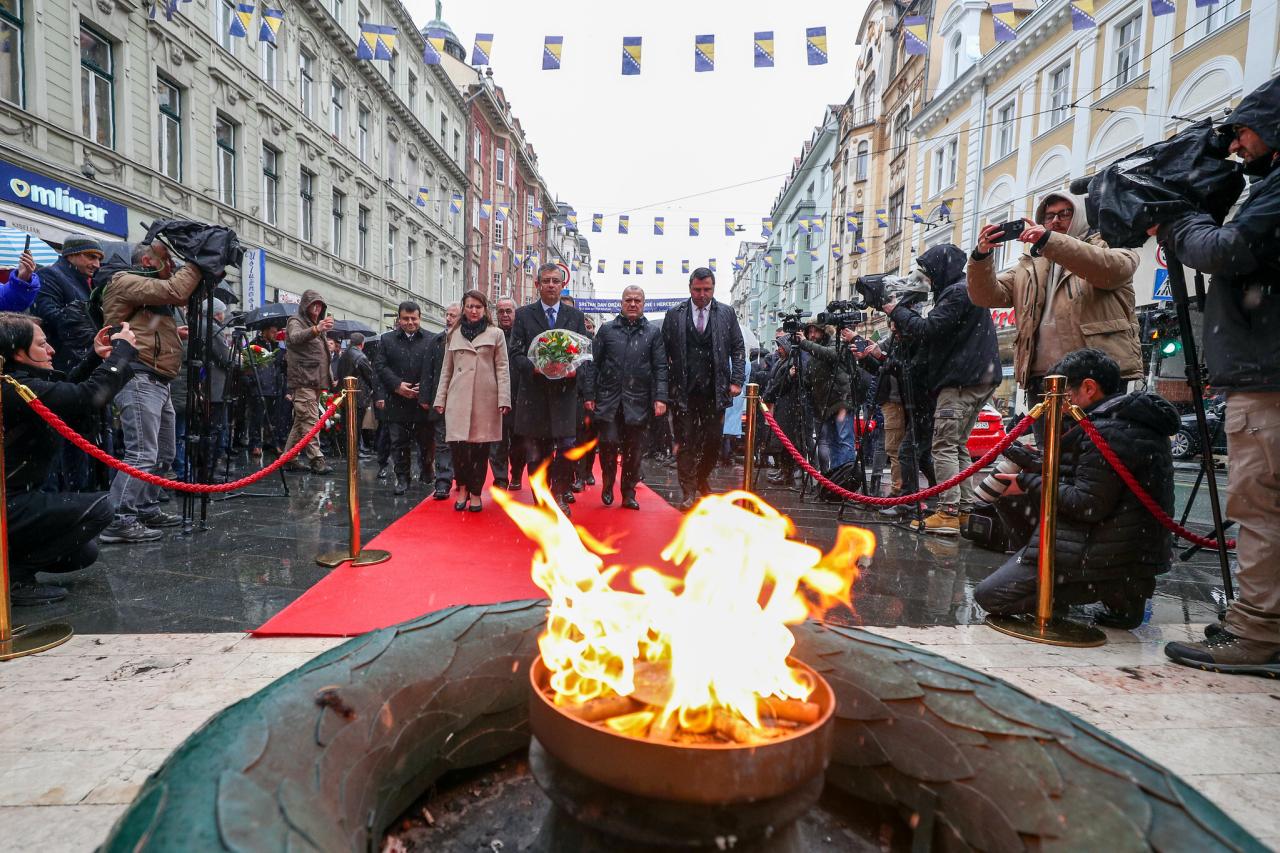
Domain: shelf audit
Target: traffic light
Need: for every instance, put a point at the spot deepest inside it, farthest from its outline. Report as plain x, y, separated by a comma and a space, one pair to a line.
1160, 328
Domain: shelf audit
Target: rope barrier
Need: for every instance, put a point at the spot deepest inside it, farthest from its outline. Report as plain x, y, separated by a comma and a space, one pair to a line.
60, 426
1140, 493
987, 458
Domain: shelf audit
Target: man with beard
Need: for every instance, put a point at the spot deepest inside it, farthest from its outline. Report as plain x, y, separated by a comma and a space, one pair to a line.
307, 365
506, 459
398, 364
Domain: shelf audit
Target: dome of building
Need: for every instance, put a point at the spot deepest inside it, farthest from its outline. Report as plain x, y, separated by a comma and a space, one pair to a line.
452, 45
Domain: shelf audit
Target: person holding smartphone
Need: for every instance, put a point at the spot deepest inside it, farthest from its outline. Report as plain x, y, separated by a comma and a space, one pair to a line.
307, 366
20, 286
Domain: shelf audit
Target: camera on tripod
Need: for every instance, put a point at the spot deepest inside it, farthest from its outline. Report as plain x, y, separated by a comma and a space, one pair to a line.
793, 322
843, 313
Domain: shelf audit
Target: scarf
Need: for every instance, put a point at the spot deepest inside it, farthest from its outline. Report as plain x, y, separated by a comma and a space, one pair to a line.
470, 330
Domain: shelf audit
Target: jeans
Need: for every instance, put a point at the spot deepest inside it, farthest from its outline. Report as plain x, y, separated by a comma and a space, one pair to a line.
835, 441
150, 443
1013, 588
953, 419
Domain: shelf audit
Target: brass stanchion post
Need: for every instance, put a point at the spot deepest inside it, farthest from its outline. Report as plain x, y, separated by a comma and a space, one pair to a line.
22, 640
1043, 627
749, 437
353, 553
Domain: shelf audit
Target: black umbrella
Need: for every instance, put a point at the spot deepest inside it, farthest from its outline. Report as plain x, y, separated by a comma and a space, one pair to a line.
227, 297
342, 329
270, 314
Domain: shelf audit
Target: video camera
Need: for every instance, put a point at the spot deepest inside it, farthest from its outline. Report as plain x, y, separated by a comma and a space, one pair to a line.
843, 313
792, 322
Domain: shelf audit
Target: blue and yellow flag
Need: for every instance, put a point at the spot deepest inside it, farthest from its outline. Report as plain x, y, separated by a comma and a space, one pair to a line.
552, 48
624, 224
503, 211
704, 53
600, 266
240, 20
815, 41
659, 225
852, 222
859, 247
482, 49
1004, 22
728, 226
271, 21
535, 217
802, 226
813, 255
766, 227
836, 252
684, 267
1162, 7
694, 227
493, 256
597, 222
574, 265
915, 35
768, 261
626, 267
1082, 15
1200, 4
424, 196
486, 208
817, 224
737, 265
631, 55
763, 49
455, 203
433, 46
791, 257
917, 213
377, 42
711, 264
944, 210
572, 218
639, 267
657, 267
882, 220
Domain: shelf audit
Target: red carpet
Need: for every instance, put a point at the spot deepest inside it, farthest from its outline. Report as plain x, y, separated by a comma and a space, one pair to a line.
441, 558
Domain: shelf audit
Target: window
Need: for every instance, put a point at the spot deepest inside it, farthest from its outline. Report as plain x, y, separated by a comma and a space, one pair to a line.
224, 12
11, 61
457, 145
478, 143
955, 52
306, 205
895, 213
413, 92
97, 85
362, 237
1059, 94
1217, 15
225, 136
393, 234
362, 133
393, 159
169, 128
268, 57
339, 10
307, 83
500, 164
1006, 133
444, 129
900, 131
497, 232
440, 281
870, 102
339, 222
860, 164
392, 70
337, 107
411, 263
944, 164
1128, 49
270, 185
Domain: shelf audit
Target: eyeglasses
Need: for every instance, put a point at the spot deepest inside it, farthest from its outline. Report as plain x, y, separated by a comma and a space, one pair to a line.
1064, 215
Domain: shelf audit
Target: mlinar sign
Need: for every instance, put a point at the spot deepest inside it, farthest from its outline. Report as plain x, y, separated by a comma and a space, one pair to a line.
47, 195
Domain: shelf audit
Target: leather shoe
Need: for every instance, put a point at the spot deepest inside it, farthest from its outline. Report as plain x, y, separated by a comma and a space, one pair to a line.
630, 503
606, 497
568, 498
564, 508
30, 593
460, 505
476, 507
382, 473
686, 504
590, 480
441, 493
515, 486
577, 487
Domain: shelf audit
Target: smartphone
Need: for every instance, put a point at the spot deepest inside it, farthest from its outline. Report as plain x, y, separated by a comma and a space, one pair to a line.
1010, 230
26, 247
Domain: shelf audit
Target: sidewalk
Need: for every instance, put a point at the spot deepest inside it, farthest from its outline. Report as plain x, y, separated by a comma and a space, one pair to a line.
86, 723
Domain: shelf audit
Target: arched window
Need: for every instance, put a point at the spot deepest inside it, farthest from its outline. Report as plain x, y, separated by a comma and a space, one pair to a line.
869, 99
955, 51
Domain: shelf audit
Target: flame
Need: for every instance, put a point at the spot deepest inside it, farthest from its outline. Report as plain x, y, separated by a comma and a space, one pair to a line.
721, 627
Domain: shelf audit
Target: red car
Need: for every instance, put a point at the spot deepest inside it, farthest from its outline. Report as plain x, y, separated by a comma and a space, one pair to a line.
987, 432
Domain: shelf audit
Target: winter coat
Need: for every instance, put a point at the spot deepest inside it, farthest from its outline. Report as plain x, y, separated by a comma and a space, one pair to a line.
728, 352
961, 339
308, 359
1093, 304
148, 303
400, 358
61, 306
429, 382
353, 362
786, 395
509, 419
1242, 306
1104, 533
905, 370
631, 370
546, 408
30, 445
18, 295
475, 383
829, 378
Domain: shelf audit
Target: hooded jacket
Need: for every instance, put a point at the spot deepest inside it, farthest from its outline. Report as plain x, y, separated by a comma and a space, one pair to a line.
307, 358
1104, 533
962, 343
61, 307
1242, 306
1092, 304
147, 303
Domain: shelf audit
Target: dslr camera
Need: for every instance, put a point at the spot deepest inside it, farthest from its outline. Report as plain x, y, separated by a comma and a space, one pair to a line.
792, 322
843, 313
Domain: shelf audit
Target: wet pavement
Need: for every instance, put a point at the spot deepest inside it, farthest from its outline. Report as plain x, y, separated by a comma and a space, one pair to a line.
258, 555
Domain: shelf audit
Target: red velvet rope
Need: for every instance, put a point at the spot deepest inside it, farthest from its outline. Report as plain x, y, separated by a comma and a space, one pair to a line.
987, 459
60, 427
1141, 494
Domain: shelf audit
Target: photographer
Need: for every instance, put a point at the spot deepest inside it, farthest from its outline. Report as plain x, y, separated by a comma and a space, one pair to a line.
1242, 351
829, 381
903, 396
783, 392
1109, 548
964, 370
1072, 291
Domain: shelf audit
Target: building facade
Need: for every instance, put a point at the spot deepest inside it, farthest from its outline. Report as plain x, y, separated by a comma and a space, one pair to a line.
309, 154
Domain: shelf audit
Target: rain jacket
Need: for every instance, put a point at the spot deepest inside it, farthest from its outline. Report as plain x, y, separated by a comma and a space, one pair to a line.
61, 307
829, 378
1092, 302
307, 358
631, 369
1242, 307
961, 339
147, 304
18, 295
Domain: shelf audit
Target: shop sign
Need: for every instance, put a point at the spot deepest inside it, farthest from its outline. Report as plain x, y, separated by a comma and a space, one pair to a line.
48, 195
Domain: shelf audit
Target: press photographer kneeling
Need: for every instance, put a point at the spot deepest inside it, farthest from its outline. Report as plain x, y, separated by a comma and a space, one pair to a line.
1109, 547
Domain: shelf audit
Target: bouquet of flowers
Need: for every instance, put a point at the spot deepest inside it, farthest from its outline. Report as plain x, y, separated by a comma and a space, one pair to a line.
326, 400
256, 355
557, 353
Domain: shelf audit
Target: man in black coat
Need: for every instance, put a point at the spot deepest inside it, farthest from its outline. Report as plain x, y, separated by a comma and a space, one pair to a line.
964, 370
52, 532
1109, 547
1242, 351
506, 457
398, 365
631, 387
547, 410
708, 366
353, 362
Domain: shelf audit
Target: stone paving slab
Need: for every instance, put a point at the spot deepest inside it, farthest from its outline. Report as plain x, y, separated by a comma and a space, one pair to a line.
85, 724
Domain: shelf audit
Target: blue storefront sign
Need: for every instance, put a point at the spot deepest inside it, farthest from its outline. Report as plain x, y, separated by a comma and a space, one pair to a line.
55, 198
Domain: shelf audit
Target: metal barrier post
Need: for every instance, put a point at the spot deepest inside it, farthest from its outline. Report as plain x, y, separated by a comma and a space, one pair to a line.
749, 437
353, 553
22, 640
1043, 627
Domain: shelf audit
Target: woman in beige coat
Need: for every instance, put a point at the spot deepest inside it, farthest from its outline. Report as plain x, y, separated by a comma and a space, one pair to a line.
474, 393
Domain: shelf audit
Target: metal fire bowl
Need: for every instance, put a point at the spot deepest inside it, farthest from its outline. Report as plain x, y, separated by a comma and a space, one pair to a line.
689, 773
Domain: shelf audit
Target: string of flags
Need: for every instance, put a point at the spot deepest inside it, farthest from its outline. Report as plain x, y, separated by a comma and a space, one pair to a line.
636, 267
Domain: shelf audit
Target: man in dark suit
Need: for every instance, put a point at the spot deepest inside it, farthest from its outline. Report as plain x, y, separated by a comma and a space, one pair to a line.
398, 365
708, 367
547, 409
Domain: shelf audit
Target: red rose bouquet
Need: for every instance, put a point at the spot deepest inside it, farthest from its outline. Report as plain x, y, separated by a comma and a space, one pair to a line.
557, 352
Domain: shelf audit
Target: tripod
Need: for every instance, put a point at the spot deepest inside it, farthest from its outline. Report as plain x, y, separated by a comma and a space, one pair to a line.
1182, 307
239, 344
199, 403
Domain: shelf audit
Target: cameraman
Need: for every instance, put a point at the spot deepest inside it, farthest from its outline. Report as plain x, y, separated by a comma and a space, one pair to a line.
782, 391
903, 397
829, 380
1072, 291
1242, 350
964, 370
1109, 548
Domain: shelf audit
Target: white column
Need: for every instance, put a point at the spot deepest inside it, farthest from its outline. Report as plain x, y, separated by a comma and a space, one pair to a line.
1026, 132
1158, 77
1082, 122
1259, 59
